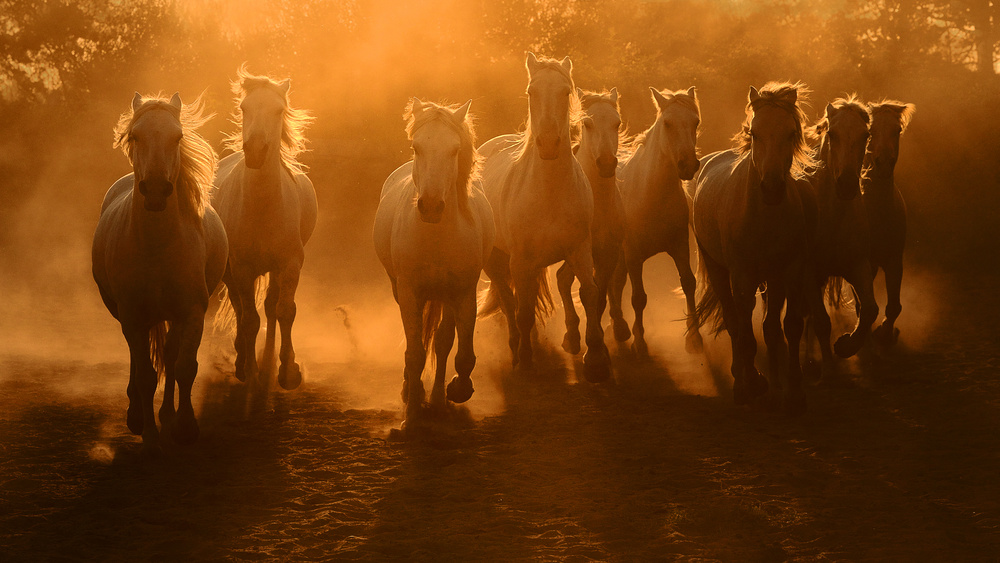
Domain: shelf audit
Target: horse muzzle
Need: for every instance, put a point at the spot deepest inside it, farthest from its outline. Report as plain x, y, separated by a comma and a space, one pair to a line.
773, 192
430, 211
686, 169
548, 147
155, 193
848, 186
254, 152
606, 167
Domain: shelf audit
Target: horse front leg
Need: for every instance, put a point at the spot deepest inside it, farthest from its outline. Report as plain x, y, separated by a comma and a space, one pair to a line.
860, 278
289, 374
498, 270
887, 333
816, 307
564, 281
185, 431
597, 361
460, 387
268, 362
751, 384
774, 337
411, 311
247, 325
526, 286
681, 254
795, 313
143, 382
615, 289
634, 265
444, 339
170, 352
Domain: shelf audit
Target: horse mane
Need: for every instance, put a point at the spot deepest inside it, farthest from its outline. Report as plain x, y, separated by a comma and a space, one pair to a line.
294, 120
789, 97
469, 162
680, 97
903, 111
852, 103
198, 160
575, 112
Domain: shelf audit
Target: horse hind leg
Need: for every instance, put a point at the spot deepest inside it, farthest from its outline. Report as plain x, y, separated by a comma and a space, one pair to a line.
750, 384
639, 300
167, 411
597, 361
498, 270
682, 260
774, 337
526, 287
289, 373
268, 361
887, 333
794, 397
564, 281
444, 339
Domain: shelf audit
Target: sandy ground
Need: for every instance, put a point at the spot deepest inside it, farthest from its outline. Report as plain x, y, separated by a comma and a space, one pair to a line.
896, 461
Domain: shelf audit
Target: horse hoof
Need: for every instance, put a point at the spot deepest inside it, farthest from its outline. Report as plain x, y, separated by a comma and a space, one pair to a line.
571, 344
749, 387
151, 450
693, 343
289, 376
640, 350
133, 419
185, 431
397, 435
241, 371
597, 369
460, 389
621, 330
845, 346
166, 415
794, 402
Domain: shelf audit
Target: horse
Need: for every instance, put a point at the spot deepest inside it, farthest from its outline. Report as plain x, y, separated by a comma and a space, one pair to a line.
544, 208
158, 253
433, 234
841, 245
657, 208
752, 217
597, 152
885, 206
268, 206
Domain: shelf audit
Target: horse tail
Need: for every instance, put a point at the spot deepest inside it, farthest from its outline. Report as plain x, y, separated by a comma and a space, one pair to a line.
433, 311
489, 299
835, 291
157, 347
225, 315
708, 311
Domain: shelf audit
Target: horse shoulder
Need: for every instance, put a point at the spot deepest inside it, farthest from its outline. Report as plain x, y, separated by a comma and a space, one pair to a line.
121, 187
216, 248
484, 211
391, 201
226, 166
308, 209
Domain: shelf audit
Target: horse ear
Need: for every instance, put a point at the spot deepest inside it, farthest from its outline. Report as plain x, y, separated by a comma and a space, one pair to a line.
531, 63
285, 85
416, 107
691, 92
614, 95
659, 99
567, 64
175, 100
906, 115
463, 111
754, 95
579, 92
830, 110
136, 102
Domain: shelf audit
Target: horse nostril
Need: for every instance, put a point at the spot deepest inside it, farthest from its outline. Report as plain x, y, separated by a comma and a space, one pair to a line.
420, 206
142, 187
439, 207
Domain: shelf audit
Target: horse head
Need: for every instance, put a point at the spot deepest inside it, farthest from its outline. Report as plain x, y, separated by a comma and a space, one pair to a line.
775, 138
443, 156
601, 126
889, 120
550, 92
263, 110
844, 137
678, 115
153, 142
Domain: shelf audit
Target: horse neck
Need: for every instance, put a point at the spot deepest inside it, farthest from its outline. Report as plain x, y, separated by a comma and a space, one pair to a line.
881, 182
154, 230
263, 185
552, 172
661, 171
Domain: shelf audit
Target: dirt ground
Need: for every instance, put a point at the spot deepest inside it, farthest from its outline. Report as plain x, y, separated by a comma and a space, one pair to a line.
895, 461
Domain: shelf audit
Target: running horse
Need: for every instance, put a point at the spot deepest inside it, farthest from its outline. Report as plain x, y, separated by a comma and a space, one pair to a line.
159, 252
841, 247
885, 207
544, 209
657, 209
752, 219
268, 206
433, 234
597, 153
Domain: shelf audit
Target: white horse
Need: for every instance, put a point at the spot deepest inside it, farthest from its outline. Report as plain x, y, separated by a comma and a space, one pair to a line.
159, 252
752, 221
544, 208
885, 207
657, 209
433, 234
597, 153
841, 247
268, 206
